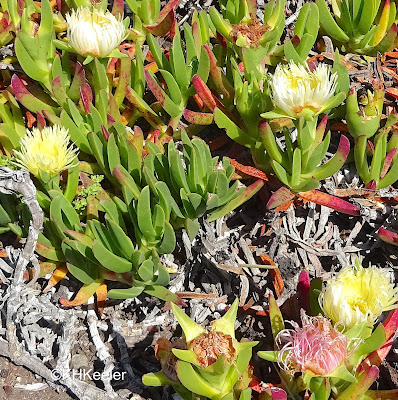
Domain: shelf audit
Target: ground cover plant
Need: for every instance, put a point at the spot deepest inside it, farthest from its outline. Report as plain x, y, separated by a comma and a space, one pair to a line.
231, 164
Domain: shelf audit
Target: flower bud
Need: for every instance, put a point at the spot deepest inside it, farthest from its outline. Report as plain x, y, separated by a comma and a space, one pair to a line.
363, 115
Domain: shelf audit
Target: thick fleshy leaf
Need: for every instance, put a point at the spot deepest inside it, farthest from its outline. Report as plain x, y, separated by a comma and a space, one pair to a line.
226, 324
224, 87
303, 289
125, 293
381, 395
379, 355
136, 100
78, 81
198, 118
328, 200
118, 8
245, 195
329, 24
27, 99
282, 196
232, 130
248, 170
190, 328
125, 179
388, 236
164, 26
110, 260
269, 355
187, 356
163, 293
193, 381
86, 96
82, 295
156, 379
275, 315
383, 22
357, 389
334, 164
46, 249
387, 42
164, 100
101, 294
58, 274
370, 344
387, 162
204, 92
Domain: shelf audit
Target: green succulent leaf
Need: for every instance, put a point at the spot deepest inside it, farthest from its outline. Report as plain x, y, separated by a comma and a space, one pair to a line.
125, 293
190, 328
110, 260
193, 381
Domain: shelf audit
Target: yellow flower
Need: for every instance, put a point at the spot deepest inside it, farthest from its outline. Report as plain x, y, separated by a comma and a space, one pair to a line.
357, 295
296, 89
94, 33
46, 151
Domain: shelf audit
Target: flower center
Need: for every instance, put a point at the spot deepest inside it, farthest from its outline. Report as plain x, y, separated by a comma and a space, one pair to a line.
360, 303
252, 33
210, 346
100, 20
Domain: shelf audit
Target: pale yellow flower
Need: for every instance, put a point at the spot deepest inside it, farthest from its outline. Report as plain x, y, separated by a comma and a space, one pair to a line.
295, 88
47, 151
94, 33
357, 295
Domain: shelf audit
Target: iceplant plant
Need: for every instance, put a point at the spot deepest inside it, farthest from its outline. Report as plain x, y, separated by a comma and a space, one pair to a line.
47, 152
210, 364
95, 33
301, 94
358, 295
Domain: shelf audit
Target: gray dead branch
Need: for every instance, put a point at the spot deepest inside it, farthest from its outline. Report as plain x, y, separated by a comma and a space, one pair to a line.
35, 326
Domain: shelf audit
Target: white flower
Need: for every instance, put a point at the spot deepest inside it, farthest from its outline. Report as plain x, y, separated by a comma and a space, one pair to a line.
357, 295
95, 33
296, 89
47, 150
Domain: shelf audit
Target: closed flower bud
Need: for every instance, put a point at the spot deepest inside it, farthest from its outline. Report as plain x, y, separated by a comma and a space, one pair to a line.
358, 295
94, 33
364, 114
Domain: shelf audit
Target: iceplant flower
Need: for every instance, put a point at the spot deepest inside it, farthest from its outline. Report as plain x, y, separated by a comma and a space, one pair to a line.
46, 150
296, 90
317, 347
207, 363
94, 33
358, 295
